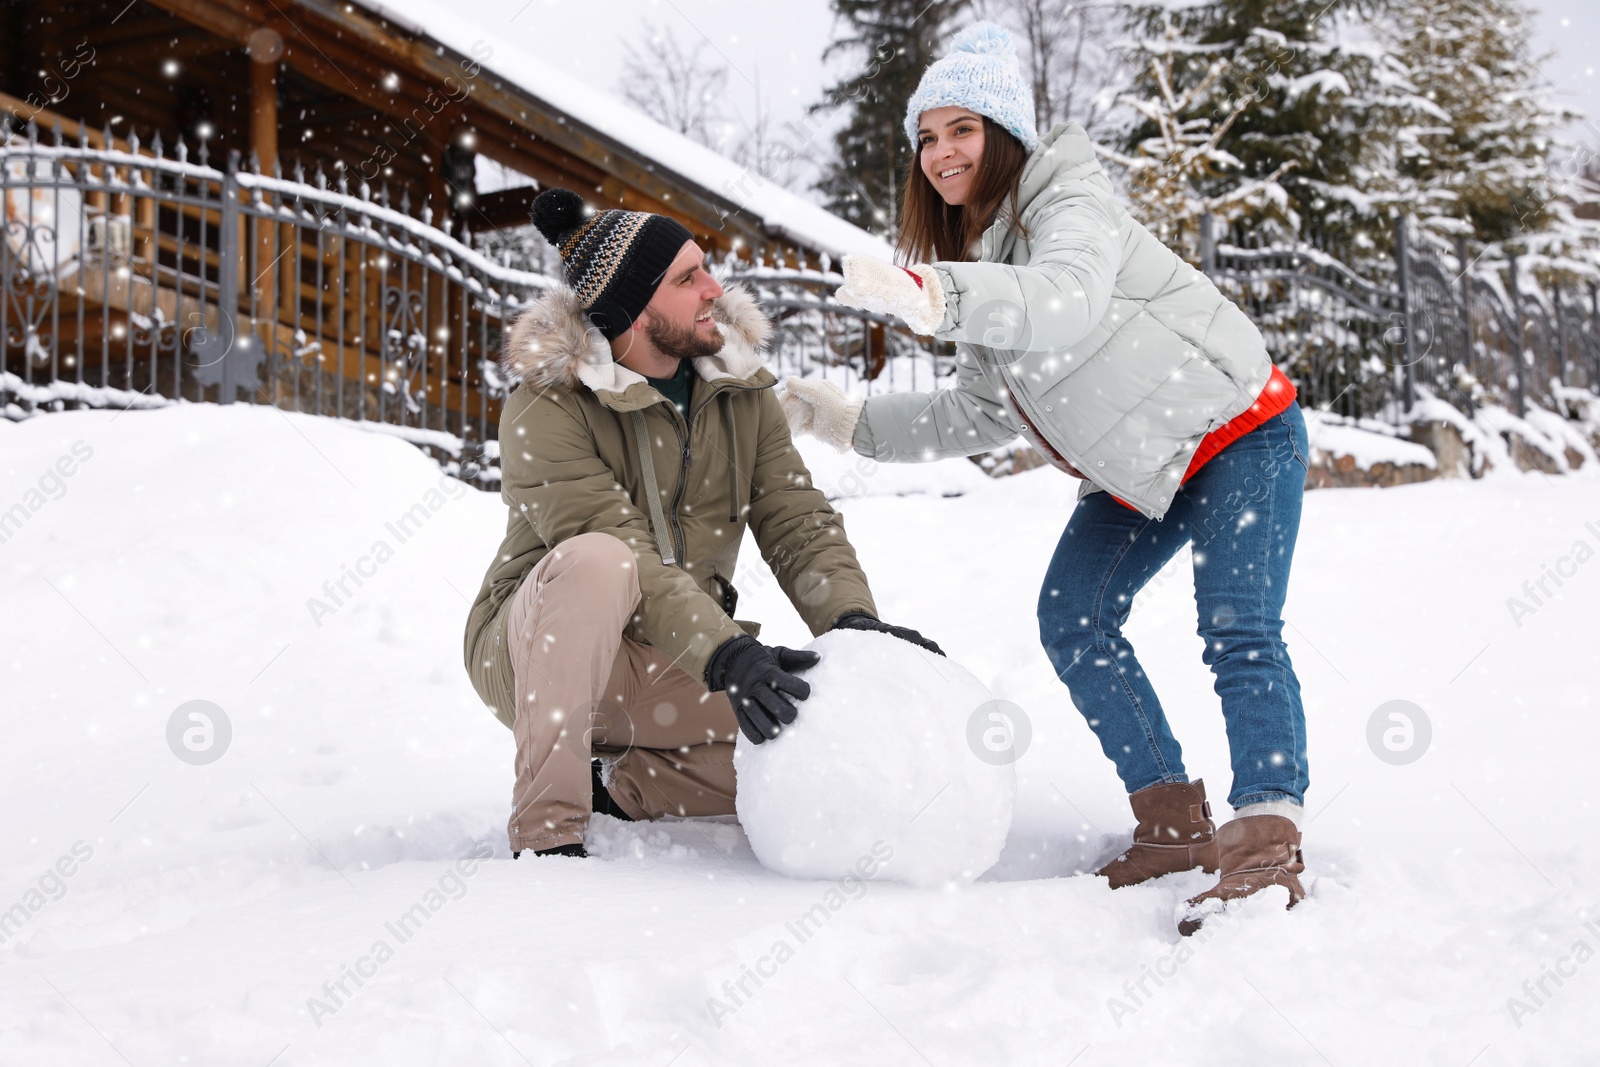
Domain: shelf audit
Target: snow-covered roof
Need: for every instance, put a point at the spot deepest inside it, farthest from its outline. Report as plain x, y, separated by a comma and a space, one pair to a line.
783, 212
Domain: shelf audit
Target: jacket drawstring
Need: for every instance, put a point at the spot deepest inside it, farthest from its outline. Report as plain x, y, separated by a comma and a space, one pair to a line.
658, 523
733, 457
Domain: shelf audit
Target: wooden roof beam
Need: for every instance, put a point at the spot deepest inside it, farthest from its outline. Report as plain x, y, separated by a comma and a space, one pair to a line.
706, 213
327, 29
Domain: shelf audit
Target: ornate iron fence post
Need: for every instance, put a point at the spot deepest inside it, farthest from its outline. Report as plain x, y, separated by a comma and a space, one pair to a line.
228, 280
214, 349
1402, 253
1467, 353
1594, 336
1519, 392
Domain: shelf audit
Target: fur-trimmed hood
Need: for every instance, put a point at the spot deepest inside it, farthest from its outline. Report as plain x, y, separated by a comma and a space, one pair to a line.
553, 344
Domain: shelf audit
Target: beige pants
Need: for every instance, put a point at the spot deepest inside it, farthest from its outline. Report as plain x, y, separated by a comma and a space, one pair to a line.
583, 688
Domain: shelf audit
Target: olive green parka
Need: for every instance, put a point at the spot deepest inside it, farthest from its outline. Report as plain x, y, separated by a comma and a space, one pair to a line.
585, 442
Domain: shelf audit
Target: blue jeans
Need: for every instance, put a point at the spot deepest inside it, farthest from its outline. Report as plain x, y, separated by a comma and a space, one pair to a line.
1242, 511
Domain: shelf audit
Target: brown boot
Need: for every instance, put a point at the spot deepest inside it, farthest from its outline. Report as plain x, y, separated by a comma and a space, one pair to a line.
1175, 833
1257, 852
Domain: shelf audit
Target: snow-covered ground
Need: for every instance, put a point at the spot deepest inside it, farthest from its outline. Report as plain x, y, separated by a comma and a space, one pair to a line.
319, 894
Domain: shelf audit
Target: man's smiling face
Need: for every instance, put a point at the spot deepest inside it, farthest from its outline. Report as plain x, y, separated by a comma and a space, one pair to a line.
678, 318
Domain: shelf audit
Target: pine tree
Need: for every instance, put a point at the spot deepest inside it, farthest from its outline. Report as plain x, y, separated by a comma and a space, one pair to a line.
1178, 171
1281, 98
892, 42
1485, 167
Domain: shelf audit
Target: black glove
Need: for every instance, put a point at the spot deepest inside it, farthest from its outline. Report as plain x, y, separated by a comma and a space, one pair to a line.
756, 679
860, 620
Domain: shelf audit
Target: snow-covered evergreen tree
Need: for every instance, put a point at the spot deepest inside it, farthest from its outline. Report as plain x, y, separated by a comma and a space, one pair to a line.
1484, 166
890, 43
1178, 169
1273, 109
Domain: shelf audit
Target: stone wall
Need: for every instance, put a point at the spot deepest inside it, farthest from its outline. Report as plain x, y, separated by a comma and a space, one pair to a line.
1455, 454
1330, 471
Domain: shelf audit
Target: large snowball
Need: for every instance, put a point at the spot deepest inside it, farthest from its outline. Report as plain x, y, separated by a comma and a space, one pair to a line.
877, 774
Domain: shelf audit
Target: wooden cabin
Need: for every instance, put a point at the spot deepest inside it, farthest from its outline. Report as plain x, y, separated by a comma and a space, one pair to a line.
278, 201
338, 86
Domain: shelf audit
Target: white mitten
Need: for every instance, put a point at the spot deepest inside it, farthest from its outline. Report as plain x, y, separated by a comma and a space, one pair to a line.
822, 410
914, 294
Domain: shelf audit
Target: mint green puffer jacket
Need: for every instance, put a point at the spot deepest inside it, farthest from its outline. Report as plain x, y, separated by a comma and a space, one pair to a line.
1089, 337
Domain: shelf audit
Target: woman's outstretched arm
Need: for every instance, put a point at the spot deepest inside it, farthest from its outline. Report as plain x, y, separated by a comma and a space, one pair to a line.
1056, 298
961, 421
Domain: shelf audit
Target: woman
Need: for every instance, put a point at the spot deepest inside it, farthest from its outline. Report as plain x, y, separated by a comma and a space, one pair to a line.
1128, 369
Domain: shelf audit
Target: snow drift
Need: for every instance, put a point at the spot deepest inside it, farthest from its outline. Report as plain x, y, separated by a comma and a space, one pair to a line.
169, 910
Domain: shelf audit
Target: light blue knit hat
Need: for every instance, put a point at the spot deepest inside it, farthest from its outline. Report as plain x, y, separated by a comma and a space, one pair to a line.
981, 71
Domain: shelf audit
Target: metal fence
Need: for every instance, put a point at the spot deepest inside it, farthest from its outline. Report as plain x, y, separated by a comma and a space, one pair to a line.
1421, 318
129, 276
1499, 333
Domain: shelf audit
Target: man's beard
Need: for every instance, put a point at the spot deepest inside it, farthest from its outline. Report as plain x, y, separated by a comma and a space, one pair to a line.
682, 343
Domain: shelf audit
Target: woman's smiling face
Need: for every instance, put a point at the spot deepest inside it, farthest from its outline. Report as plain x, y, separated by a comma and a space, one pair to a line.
951, 142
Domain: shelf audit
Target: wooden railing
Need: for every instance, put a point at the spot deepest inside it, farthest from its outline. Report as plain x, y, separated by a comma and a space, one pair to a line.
132, 276
130, 273
124, 269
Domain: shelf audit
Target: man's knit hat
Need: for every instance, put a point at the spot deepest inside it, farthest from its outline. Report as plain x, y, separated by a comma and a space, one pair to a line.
614, 260
981, 72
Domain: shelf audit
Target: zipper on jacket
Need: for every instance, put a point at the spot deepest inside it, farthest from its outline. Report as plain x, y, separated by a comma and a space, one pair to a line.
1019, 392
1030, 412
685, 435
678, 539
684, 427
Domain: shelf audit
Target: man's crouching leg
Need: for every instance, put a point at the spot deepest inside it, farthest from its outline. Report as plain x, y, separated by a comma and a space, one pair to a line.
563, 630
675, 739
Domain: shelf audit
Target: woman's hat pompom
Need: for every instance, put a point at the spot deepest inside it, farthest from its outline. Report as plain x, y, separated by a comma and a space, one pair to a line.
557, 212
984, 39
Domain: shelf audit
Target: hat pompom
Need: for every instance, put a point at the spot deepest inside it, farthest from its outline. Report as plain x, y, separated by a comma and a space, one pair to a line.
557, 212
984, 39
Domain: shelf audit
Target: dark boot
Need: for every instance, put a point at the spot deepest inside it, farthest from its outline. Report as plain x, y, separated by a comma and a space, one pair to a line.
601, 802
575, 849
602, 796
1175, 833
1256, 852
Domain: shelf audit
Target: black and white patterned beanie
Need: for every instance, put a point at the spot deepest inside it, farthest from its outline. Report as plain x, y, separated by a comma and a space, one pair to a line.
614, 260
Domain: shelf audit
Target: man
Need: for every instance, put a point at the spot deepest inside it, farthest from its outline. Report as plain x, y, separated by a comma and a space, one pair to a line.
642, 440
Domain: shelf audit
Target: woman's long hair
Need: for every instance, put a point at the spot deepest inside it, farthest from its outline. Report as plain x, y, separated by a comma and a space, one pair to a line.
931, 229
